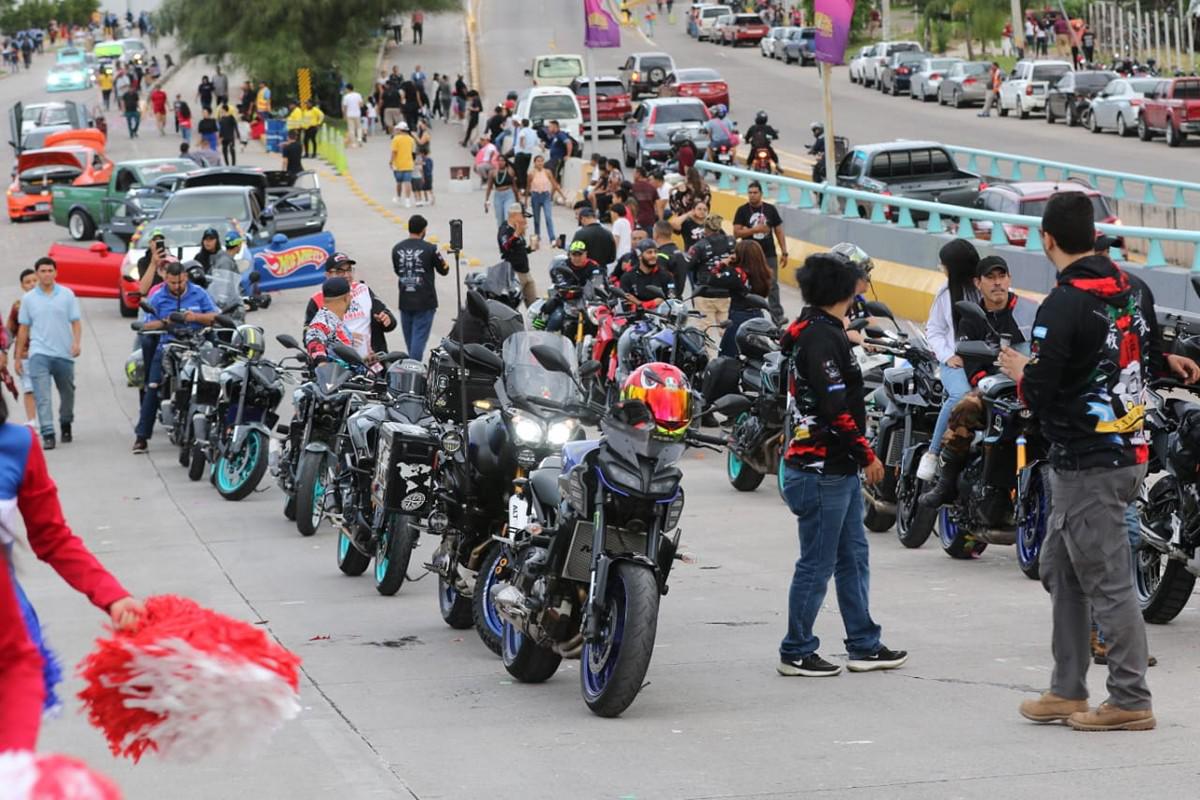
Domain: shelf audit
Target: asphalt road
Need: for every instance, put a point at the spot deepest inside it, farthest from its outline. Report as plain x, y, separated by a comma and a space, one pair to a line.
792, 94
398, 705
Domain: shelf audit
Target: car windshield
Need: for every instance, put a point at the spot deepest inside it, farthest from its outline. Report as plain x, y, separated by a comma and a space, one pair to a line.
1094, 80
808, 33
54, 115
206, 205
975, 68
1035, 208
603, 88
748, 19
525, 378
556, 67
65, 69
1187, 90
552, 106
1143, 84
651, 62
679, 112
697, 75
941, 64
1049, 72
909, 58
182, 234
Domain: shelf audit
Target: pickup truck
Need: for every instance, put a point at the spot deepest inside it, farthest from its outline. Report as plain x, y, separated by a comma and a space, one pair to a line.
1172, 109
1024, 90
913, 169
83, 209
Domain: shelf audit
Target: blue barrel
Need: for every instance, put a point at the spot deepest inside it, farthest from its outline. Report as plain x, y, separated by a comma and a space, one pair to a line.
276, 134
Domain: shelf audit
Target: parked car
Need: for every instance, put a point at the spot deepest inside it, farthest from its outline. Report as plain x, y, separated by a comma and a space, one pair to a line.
744, 29
1024, 91
879, 56
555, 69
540, 104
1119, 105
965, 84
613, 103
68, 78
647, 137
717, 34
1029, 198
1172, 109
24, 120
82, 209
766, 45
700, 82
895, 76
645, 72
858, 64
1070, 97
916, 169
707, 20
927, 77
29, 196
800, 48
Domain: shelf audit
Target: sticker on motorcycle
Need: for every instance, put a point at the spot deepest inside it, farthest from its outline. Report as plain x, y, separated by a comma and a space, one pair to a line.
518, 513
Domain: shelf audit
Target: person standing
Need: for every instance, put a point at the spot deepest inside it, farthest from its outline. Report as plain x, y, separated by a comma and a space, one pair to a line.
105, 81
131, 106
993, 93
1088, 40
542, 191
1085, 381
645, 195
220, 84
291, 154
401, 161
390, 102
827, 415
515, 250
227, 129
207, 128
601, 247
262, 101
474, 107
312, 117
418, 27
525, 147
415, 261
28, 280
760, 221
1029, 38
501, 187
442, 97
158, 105
352, 109
703, 258
246, 103
750, 266
50, 336
204, 93
670, 257
559, 147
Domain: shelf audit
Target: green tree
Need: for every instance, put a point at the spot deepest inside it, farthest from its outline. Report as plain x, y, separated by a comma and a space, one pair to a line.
16, 16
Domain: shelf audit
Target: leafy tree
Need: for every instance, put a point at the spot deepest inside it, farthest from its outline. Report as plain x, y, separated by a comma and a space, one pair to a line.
16, 16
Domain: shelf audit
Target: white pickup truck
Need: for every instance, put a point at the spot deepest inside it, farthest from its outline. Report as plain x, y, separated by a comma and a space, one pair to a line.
1024, 91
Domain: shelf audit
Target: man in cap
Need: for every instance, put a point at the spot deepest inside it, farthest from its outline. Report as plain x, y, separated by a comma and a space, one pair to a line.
367, 318
598, 241
328, 326
639, 284
150, 264
415, 261
400, 161
210, 247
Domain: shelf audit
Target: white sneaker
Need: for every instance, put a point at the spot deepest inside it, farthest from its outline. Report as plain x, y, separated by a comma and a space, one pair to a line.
927, 469
421, 203
408, 203
396, 200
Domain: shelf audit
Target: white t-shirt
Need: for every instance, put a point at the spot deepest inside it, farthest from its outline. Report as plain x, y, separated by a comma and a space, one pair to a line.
352, 104
623, 233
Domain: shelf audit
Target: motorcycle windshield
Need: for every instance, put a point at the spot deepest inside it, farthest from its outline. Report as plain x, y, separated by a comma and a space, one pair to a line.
329, 376
526, 379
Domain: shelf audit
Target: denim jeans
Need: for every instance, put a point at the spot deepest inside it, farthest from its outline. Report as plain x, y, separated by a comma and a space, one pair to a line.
150, 399
186, 133
543, 205
829, 515
42, 369
501, 200
415, 325
133, 120
729, 338
955, 381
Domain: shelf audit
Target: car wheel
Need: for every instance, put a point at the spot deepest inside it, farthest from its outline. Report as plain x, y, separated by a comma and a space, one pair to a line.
895, 89
1049, 115
1089, 119
1122, 128
956, 102
1000, 109
1072, 120
1174, 137
625, 154
1143, 131
80, 225
1021, 112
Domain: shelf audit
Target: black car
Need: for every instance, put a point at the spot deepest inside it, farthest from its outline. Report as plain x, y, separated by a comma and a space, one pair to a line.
1073, 93
896, 75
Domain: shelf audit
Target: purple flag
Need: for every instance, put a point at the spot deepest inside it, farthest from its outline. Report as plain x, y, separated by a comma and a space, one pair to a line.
833, 29
601, 30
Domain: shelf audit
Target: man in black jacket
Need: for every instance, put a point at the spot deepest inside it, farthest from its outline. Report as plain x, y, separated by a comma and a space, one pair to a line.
635, 283
601, 247
1085, 381
670, 256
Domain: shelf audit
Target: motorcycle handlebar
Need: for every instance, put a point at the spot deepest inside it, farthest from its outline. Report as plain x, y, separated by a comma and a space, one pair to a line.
701, 438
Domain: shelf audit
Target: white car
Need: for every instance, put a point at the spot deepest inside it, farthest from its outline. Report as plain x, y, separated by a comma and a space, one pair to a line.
707, 21
880, 55
555, 69
540, 104
1024, 91
928, 77
766, 45
858, 64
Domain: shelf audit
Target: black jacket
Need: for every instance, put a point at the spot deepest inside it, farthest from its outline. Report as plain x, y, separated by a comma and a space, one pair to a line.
378, 340
1015, 321
706, 253
826, 407
635, 282
600, 245
1091, 355
674, 261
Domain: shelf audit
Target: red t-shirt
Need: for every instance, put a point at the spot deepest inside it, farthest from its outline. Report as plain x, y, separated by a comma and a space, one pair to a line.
158, 101
646, 194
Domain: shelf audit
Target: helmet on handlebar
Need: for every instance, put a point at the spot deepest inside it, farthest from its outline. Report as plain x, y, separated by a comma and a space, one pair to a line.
407, 377
195, 272
250, 340
818, 129
663, 390
760, 118
756, 337
135, 369
856, 256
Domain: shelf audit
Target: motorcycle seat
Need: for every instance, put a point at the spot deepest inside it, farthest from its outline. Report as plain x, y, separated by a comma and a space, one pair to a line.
995, 386
544, 482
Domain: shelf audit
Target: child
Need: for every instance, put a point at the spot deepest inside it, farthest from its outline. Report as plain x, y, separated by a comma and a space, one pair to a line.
372, 117
28, 281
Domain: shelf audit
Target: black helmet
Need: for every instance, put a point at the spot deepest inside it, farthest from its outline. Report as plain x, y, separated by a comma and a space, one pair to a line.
760, 118
195, 271
250, 339
680, 136
818, 128
407, 377
756, 337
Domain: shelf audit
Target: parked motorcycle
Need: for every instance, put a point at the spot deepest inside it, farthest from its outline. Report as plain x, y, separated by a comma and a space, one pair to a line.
756, 439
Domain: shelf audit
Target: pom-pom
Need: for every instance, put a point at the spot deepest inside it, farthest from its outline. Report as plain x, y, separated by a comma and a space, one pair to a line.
25, 775
188, 682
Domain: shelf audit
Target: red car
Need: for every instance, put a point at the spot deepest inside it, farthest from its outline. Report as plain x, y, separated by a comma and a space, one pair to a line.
744, 29
95, 271
613, 103
73, 157
1028, 198
699, 82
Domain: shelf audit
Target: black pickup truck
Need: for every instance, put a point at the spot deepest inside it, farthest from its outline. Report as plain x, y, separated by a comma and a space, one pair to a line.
913, 169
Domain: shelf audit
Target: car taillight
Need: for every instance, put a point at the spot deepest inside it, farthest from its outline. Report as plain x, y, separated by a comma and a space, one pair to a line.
1029, 88
982, 185
1135, 101
1017, 234
633, 76
935, 76
969, 81
649, 131
902, 71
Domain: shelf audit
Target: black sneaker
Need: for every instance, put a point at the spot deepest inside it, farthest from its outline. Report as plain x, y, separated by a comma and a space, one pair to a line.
883, 659
811, 666
140, 445
66, 434
48, 441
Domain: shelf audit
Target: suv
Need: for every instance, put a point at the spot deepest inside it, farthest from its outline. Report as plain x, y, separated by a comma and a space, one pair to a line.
647, 137
1029, 198
645, 72
748, 28
1025, 89
879, 56
801, 47
613, 103
706, 21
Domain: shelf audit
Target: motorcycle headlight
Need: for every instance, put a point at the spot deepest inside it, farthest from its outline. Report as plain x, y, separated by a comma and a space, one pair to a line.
451, 442
526, 429
560, 432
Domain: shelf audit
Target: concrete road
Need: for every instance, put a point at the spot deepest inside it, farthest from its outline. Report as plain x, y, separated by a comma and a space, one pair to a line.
396, 704
513, 31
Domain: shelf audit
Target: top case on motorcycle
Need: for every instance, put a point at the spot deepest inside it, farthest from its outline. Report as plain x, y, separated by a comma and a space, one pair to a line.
445, 387
995, 386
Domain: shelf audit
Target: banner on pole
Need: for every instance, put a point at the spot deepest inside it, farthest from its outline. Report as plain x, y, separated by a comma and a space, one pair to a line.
832, 19
601, 29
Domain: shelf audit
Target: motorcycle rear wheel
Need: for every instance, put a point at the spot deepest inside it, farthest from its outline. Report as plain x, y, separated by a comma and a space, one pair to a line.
456, 609
349, 560
238, 477
197, 463
310, 491
488, 622
958, 543
393, 552
1163, 584
612, 672
524, 660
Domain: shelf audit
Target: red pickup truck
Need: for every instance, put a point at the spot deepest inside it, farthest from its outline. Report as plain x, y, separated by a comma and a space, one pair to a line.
1172, 109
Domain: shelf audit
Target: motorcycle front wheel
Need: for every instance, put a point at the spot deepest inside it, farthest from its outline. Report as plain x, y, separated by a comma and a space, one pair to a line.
1031, 525
311, 480
393, 552
914, 522
238, 474
1163, 584
455, 608
613, 669
956, 541
488, 622
197, 463
525, 660
349, 560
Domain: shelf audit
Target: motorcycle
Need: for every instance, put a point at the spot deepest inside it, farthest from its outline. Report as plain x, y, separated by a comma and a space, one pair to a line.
760, 160
756, 439
591, 552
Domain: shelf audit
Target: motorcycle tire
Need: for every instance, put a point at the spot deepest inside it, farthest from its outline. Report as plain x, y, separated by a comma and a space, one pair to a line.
525, 660
393, 552
876, 521
196, 464
1163, 584
488, 622
310, 492
349, 560
914, 522
185, 454
1031, 526
289, 508
957, 543
238, 481
456, 609
613, 671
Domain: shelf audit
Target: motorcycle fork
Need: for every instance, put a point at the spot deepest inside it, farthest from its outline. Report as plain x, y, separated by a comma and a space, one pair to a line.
598, 585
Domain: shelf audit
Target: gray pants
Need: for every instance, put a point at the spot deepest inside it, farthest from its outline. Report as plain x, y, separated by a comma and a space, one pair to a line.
1085, 566
773, 305
42, 370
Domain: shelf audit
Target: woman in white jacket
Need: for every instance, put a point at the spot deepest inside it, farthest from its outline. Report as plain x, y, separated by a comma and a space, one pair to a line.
959, 259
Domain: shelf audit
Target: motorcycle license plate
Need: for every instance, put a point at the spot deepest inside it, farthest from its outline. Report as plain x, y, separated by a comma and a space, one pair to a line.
518, 513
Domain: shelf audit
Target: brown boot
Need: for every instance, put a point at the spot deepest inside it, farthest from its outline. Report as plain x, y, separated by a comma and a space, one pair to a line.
1052, 708
1099, 648
1111, 718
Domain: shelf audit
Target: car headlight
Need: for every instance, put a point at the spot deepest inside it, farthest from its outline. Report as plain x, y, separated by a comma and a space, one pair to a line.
560, 432
526, 429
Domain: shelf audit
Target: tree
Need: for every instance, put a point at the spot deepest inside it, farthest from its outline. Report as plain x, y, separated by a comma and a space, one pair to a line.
271, 39
38, 13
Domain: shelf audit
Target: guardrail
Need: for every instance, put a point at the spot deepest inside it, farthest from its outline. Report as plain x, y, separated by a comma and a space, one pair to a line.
898, 212
1118, 185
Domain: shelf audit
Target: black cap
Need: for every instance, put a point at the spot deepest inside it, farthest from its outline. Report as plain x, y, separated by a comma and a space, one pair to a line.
335, 287
989, 263
338, 260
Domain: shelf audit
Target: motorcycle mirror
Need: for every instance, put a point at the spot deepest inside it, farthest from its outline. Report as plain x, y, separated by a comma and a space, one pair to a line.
875, 332
135, 326
144, 306
481, 355
551, 358
730, 405
655, 292
878, 309
589, 368
976, 349
223, 321
288, 341
347, 354
756, 301
177, 317
972, 310
859, 324
477, 306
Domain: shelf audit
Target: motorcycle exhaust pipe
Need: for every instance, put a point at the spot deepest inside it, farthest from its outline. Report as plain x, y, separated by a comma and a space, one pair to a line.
1175, 553
881, 506
571, 648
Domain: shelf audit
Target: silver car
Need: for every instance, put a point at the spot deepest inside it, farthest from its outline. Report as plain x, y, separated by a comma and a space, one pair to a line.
766, 45
925, 81
648, 132
1118, 105
859, 63
966, 84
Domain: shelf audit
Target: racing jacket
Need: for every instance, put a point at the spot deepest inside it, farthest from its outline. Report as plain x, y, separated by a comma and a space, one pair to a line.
1015, 321
706, 254
1091, 350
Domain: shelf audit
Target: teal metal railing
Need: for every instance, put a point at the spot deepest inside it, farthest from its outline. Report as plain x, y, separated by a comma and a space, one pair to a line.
941, 218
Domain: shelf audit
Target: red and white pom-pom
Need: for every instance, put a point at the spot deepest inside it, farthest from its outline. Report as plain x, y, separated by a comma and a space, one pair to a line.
25, 775
188, 682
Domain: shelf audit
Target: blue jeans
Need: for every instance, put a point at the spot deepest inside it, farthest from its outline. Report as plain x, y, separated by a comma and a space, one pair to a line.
501, 200
829, 514
211, 138
542, 206
42, 369
133, 121
729, 338
415, 325
955, 381
150, 400
186, 133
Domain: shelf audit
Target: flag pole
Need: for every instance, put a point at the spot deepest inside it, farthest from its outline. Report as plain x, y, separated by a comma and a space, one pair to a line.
830, 152
595, 137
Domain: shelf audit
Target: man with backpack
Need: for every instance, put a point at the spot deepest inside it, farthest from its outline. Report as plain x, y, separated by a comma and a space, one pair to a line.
704, 257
